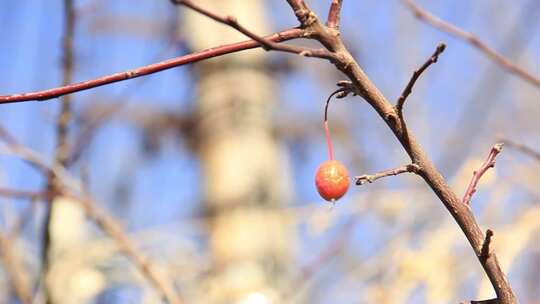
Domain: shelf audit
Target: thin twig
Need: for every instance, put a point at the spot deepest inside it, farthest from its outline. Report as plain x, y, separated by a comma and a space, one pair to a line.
334, 14
370, 178
522, 148
408, 89
112, 227
474, 41
265, 43
13, 267
23, 194
488, 163
150, 69
331, 250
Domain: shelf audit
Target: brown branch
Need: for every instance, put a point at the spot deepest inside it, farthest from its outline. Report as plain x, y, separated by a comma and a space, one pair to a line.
488, 163
265, 43
13, 267
334, 14
474, 41
363, 179
150, 69
486, 246
408, 89
522, 148
433, 178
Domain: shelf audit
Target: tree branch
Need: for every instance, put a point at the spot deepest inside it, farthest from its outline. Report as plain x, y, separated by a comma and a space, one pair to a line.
459, 211
488, 163
416, 74
334, 14
474, 41
150, 69
12, 266
265, 43
363, 179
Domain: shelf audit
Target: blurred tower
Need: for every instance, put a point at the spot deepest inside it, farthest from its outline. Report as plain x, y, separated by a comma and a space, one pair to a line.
244, 169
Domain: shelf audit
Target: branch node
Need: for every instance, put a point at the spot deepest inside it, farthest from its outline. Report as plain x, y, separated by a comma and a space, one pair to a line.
486, 246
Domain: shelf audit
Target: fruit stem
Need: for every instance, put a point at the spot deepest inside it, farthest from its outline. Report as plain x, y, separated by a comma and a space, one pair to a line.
328, 141
326, 128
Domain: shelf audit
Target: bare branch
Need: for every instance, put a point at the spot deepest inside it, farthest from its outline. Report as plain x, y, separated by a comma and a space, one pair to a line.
112, 227
18, 276
488, 163
427, 170
522, 148
363, 179
408, 89
150, 69
265, 43
334, 14
474, 41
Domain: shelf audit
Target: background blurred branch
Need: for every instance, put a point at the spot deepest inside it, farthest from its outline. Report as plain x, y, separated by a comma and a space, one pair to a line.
14, 269
522, 148
473, 40
69, 187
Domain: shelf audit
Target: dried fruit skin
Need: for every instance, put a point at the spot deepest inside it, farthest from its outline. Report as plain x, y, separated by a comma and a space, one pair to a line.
332, 180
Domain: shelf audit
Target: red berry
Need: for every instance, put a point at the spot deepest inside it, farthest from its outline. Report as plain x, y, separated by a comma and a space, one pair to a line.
332, 180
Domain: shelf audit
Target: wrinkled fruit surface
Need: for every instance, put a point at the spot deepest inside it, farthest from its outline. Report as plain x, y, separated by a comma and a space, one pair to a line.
332, 180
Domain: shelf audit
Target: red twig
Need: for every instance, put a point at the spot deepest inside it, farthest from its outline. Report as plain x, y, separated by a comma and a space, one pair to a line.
488, 163
150, 69
334, 14
473, 40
